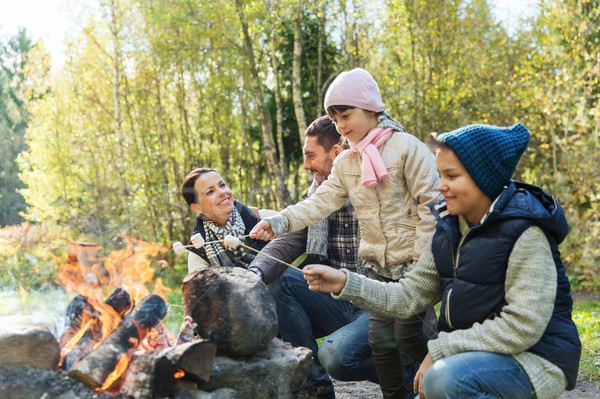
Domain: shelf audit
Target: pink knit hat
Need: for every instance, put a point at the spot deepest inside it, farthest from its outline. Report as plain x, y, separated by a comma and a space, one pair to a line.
356, 88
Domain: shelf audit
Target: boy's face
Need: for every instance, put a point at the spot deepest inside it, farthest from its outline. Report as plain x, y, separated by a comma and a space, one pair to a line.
213, 198
318, 161
354, 123
460, 192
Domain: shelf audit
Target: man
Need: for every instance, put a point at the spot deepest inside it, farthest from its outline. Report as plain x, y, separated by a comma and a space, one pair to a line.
304, 315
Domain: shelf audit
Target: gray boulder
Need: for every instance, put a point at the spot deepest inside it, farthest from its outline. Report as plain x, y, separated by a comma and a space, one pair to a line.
233, 309
278, 372
25, 341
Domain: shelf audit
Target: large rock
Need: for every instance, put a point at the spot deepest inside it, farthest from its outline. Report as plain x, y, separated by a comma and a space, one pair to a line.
278, 372
27, 342
232, 307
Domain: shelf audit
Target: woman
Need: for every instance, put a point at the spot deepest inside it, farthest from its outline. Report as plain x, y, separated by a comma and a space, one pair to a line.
218, 215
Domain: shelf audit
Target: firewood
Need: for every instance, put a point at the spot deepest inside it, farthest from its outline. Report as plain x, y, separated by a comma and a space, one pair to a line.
95, 368
195, 358
121, 302
70, 321
147, 376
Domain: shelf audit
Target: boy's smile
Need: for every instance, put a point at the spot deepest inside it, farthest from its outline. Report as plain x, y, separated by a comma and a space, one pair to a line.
460, 192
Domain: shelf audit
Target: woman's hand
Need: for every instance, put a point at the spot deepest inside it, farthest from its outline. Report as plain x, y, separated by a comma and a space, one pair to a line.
418, 383
324, 278
262, 231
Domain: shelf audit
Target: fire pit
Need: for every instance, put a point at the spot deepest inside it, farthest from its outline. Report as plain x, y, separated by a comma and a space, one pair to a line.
119, 347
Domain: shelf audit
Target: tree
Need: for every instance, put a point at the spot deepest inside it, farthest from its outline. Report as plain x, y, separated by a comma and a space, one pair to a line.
13, 122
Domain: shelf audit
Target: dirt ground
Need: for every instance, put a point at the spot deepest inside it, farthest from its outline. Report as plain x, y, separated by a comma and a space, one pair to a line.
368, 390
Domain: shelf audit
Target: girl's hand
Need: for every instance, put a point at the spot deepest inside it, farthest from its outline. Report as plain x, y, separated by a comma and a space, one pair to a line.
427, 362
324, 278
262, 231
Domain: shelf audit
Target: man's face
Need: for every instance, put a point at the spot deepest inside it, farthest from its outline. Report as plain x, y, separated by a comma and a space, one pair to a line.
317, 160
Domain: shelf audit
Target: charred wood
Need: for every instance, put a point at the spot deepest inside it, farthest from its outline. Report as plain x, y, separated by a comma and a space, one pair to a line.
95, 368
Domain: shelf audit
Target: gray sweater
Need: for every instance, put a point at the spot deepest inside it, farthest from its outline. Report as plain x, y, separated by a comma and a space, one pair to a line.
530, 290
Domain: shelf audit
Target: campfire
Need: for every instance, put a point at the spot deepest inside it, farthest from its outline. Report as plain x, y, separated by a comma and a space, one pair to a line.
112, 339
120, 345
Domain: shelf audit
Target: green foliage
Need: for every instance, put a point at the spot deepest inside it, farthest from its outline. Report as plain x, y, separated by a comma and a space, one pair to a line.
13, 121
586, 315
152, 90
30, 253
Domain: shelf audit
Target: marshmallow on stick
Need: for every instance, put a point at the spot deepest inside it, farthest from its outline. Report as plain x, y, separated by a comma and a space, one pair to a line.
232, 242
178, 247
197, 240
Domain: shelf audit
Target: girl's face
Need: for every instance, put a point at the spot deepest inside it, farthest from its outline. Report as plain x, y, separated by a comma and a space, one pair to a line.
354, 123
213, 198
460, 192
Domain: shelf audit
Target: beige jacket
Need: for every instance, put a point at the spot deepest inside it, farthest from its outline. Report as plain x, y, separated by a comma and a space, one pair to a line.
394, 218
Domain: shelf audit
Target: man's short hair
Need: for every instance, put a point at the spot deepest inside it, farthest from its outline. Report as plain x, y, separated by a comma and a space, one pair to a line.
325, 131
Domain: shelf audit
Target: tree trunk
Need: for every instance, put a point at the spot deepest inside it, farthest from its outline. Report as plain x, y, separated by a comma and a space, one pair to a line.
279, 107
283, 196
322, 20
114, 30
297, 73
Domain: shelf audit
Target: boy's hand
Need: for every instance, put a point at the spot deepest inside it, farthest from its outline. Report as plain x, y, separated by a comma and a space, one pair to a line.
262, 231
324, 278
425, 365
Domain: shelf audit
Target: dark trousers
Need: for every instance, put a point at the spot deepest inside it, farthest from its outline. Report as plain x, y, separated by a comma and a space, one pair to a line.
397, 341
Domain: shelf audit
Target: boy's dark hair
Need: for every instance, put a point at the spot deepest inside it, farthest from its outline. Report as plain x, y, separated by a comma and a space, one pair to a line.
324, 130
187, 189
434, 143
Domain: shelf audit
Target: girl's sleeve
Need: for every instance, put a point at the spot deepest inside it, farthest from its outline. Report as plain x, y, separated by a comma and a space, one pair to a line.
422, 179
416, 292
530, 291
330, 196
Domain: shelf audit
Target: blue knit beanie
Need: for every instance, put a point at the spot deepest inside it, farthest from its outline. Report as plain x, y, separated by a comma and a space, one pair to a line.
489, 153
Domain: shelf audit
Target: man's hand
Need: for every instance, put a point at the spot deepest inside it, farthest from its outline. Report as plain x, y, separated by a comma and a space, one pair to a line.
427, 362
324, 278
262, 231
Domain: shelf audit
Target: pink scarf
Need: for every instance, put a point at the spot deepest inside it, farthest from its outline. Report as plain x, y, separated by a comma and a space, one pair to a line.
373, 168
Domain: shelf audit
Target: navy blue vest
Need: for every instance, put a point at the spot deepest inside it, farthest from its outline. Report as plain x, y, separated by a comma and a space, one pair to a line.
248, 217
473, 289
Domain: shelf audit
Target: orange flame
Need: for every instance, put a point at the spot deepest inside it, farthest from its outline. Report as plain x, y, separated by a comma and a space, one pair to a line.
116, 373
179, 374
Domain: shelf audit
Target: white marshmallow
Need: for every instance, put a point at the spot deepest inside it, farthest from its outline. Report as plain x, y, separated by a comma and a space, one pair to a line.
232, 242
197, 240
178, 247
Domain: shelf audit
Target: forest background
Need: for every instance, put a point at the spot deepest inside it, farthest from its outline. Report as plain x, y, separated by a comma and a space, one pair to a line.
150, 90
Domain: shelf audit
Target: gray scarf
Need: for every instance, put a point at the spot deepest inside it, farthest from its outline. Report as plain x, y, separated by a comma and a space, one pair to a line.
217, 252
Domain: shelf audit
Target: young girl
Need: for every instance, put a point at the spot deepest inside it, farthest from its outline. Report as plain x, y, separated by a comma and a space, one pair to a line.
218, 215
505, 321
390, 178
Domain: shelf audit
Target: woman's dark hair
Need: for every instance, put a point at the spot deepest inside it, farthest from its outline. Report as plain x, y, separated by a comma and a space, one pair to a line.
434, 143
187, 189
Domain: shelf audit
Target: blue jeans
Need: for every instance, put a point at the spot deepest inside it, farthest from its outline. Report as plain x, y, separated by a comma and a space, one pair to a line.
477, 375
304, 315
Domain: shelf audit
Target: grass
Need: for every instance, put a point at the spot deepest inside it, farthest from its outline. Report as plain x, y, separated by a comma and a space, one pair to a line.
586, 315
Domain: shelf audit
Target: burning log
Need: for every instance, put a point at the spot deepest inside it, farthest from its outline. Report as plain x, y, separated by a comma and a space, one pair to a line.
147, 376
101, 367
71, 320
194, 358
119, 301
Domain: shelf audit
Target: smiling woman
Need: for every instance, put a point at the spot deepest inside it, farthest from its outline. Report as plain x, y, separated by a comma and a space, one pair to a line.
219, 216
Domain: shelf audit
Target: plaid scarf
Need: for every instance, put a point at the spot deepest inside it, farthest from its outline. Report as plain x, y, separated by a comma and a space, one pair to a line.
217, 253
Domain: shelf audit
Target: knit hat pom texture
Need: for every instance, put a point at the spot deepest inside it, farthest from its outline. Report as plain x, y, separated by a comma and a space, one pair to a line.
490, 154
